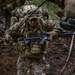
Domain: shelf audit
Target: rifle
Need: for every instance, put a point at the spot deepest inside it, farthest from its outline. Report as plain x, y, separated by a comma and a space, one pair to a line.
28, 40
43, 38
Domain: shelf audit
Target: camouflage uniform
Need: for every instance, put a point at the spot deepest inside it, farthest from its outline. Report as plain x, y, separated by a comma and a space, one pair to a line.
2, 24
31, 56
13, 18
17, 15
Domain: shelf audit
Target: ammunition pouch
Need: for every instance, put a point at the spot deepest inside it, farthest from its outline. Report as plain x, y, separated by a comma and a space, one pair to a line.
32, 50
35, 49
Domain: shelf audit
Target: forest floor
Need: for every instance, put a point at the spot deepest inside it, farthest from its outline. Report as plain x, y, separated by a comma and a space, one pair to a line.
57, 54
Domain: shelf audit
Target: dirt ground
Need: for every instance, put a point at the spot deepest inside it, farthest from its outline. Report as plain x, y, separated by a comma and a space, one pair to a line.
56, 57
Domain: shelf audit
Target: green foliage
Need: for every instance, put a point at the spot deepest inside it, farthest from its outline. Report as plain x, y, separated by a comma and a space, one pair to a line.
36, 2
52, 8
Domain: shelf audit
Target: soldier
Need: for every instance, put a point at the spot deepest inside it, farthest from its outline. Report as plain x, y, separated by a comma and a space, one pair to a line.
18, 12
31, 59
13, 18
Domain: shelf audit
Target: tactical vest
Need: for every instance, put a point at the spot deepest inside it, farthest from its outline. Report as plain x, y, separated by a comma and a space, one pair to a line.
33, 49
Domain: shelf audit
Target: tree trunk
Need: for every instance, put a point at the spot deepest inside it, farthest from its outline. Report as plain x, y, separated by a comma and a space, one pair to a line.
7, 20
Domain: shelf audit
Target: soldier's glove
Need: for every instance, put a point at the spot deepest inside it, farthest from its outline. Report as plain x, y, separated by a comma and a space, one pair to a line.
7, 37
54, 34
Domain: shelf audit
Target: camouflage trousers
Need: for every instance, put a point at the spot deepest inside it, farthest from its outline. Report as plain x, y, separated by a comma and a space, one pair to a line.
27, 66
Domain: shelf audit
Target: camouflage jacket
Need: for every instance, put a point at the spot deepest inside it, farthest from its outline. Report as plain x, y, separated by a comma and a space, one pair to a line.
32, 49
2, 23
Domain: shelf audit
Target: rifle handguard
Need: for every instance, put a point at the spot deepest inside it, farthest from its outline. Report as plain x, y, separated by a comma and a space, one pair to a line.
66, 34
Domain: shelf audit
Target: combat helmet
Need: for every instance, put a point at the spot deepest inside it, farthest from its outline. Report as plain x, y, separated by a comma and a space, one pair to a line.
31, 14
26, 8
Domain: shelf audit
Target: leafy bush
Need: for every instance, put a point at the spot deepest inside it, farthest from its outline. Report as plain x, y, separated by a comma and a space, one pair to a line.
52, 8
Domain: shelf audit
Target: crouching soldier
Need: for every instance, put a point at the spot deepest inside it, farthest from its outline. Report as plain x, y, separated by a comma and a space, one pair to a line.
30, 61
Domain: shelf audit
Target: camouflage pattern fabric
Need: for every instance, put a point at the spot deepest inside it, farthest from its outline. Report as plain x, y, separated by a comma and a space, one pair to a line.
31, 54
2, 23
51, 24
31, 67
30, 59
13, 20
17, 15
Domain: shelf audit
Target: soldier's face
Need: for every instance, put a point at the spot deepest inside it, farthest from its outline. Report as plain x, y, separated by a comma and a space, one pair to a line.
33, 22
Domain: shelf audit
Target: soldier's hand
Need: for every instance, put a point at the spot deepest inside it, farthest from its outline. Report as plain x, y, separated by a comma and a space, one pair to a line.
52, 24
54, 34
7, 37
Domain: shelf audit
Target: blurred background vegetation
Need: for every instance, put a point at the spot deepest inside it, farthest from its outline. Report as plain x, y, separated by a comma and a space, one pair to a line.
55, 11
